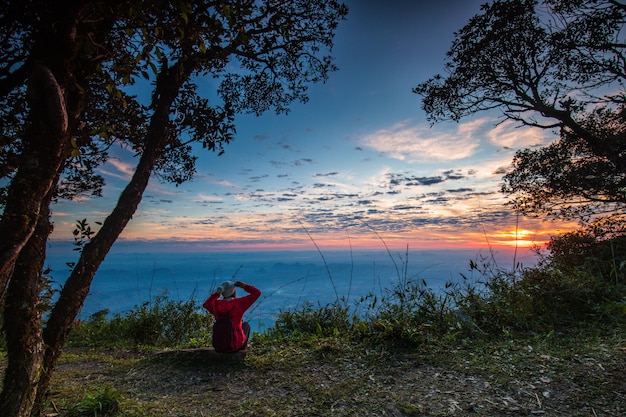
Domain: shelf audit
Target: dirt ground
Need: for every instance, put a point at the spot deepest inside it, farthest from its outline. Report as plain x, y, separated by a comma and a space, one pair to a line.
328, 380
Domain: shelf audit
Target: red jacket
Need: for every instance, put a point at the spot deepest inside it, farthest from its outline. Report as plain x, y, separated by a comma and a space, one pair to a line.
234, 307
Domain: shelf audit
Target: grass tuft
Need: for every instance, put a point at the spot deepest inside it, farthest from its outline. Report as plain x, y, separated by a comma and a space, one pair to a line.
105, 402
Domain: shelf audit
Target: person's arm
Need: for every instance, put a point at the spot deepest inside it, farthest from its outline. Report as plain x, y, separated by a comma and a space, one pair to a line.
253, 293
209, 303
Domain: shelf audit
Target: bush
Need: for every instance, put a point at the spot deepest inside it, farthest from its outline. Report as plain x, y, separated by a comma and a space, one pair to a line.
558, 299
162, 322
94, 331
550, 296
329, 320
410, 314
591, 252
491, 301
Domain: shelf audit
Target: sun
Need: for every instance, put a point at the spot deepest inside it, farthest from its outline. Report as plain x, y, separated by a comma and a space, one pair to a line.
519, 238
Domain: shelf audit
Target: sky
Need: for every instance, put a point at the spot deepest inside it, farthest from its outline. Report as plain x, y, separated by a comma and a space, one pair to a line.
358, 166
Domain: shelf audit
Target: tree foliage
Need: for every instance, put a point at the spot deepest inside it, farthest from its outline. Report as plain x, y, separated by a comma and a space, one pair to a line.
567, 179
555, 64
70, 78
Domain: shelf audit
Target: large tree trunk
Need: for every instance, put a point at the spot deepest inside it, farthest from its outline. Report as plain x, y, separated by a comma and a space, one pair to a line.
42, 158
77, 286
22, 323
55, 107
52, 78
25, 229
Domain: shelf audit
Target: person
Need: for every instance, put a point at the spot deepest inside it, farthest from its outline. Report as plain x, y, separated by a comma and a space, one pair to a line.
230, 333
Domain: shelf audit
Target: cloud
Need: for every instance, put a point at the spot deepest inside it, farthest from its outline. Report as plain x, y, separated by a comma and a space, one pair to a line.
302, 161
278, 164
206, 199
258, 178
501, 171
222, 183
413, 143
261, 137
399, 179
122, 170
510, 135
452, 175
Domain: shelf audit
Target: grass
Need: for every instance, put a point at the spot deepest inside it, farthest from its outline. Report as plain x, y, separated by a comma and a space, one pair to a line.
577, 374
104, 402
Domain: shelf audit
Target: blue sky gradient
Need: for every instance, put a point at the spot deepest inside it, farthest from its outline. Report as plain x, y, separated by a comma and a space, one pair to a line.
355, 166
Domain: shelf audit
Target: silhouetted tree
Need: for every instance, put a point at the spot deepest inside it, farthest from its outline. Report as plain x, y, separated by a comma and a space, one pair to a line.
555, 64
63, 74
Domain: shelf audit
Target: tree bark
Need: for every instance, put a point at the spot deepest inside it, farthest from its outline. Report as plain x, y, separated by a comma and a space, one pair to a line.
42, 159
77, 286
25, 228
46, 139
22, 323
55, 107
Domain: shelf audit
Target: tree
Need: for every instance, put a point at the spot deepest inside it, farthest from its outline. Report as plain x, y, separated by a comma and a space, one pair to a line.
560, 65
64, 73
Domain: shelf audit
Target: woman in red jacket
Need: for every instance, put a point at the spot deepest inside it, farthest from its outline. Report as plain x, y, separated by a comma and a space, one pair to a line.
230, 334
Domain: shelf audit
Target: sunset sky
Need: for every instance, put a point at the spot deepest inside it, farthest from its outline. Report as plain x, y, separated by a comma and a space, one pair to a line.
356, 166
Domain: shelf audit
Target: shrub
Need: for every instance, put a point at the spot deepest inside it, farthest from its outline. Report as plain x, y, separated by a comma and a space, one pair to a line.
605, 258
329, 320
94, 331
549, 296
161, 322
559, 299
488, 299
410, 314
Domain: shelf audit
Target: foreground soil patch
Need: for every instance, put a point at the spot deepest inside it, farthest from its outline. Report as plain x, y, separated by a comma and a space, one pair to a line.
329, 378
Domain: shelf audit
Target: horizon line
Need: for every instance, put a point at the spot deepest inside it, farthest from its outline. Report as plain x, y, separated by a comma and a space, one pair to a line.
321, 246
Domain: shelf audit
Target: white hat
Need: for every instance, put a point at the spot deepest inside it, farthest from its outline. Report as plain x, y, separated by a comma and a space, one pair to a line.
226, 288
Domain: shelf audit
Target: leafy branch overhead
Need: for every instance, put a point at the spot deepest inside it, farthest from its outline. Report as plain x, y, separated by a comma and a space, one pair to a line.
233, 57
